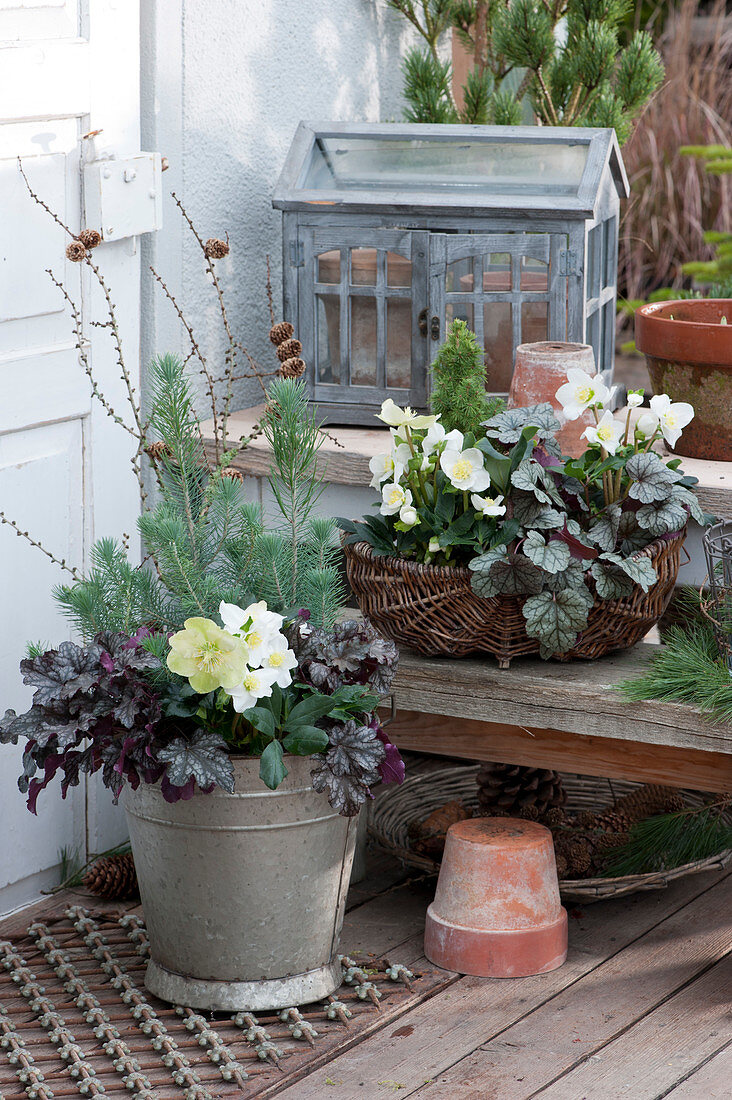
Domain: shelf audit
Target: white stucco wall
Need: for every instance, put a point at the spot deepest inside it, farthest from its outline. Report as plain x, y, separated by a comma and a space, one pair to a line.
224, 86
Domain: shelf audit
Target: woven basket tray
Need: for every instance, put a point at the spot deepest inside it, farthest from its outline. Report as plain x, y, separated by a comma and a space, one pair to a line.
395, 809
433, 609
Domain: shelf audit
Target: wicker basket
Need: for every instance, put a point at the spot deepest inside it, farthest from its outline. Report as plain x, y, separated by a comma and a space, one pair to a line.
396, 807
434, 610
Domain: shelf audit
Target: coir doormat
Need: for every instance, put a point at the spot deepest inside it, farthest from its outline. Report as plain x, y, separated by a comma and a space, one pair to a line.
76, 1020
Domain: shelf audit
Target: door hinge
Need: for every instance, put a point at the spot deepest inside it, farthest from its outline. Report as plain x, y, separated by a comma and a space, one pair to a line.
297, 254
568, 262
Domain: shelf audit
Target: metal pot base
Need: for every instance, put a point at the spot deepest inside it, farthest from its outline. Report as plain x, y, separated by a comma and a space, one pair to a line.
253, 996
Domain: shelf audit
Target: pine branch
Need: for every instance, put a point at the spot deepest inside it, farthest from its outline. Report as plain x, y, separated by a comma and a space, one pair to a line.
666, 841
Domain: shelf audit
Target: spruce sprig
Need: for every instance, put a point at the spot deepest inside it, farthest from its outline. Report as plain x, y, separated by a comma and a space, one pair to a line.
458, 383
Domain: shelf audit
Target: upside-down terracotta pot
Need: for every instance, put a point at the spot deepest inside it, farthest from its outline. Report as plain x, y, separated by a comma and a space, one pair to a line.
688, 350
497, 912
539, 372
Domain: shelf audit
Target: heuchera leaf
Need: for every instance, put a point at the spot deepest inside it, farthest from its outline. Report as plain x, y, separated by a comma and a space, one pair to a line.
531, 513
556, 618
528, 475
202, 756
552, 556
650, 476
508, 426
350, 766
512, 574
662, 517
630, 536
611, 582
639, 568
604, 531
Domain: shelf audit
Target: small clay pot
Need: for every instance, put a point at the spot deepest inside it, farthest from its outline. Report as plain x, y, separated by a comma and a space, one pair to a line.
497, 912
689, 356
540, 370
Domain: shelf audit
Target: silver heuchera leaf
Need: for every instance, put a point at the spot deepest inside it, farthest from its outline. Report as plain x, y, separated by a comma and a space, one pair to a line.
662, 517
508, 426
527, 476
556, 618
349, 767
688, 498
630, 535
552, 556
650, 476
202, 756
510, 575
639, 568
530, 513
611, 582
604, 531
571, 577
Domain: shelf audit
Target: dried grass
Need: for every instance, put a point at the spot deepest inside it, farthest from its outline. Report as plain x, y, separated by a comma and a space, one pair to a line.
673, 201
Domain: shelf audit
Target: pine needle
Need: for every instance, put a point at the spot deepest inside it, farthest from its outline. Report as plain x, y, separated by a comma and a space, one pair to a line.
666, 841
687, 669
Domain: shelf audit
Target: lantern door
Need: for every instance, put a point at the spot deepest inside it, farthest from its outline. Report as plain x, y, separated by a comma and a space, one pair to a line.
363, 301
510, 288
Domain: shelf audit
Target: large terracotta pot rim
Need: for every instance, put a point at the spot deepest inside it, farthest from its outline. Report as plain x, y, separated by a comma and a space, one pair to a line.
686, 331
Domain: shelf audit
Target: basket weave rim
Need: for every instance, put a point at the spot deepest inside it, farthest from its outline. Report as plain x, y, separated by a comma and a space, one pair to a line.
587, 889
409, 565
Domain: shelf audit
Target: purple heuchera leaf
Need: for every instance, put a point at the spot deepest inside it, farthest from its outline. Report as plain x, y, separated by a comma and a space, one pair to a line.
392, 769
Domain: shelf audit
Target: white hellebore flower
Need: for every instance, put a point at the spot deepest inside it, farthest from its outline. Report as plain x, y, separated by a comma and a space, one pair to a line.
647, 424
393, 498
581, 392
389, 465
488, 506
635, 400
437, 435
281, 660
672, 416
395, 417
262, 628
408, 515
607, 433
257, 685
465, 469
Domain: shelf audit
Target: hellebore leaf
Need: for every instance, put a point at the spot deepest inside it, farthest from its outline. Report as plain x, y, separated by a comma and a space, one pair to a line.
306, 741
650, 476
202, 757
552, 556
272, 768
556, 618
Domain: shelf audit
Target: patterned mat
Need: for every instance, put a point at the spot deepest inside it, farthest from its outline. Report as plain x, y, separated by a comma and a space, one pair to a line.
76, 1020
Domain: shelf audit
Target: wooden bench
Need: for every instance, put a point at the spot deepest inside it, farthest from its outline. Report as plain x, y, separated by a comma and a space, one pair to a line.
553, 715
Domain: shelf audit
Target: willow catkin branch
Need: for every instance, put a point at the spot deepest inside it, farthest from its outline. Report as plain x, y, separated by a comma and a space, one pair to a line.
39, 546
270, 300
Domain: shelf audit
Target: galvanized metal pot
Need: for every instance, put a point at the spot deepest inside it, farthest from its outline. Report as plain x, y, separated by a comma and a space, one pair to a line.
243, 893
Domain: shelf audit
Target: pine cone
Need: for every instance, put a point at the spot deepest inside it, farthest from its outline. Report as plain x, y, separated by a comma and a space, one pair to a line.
280, 332
428, 836
648, 800
292, 368
112, 877
579, 856
157, 450
90, 238
288, 349
215, 249
75, 251
561, 865
507, 789
554, 817
231, 472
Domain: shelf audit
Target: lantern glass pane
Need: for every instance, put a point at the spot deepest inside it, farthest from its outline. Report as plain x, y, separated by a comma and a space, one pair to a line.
431, 165
363, 342
534, 322
498, 345
328, 321
534, 276
398, 270
497, 273
363, 266
398, 343
462, 311
459, 277
329, 266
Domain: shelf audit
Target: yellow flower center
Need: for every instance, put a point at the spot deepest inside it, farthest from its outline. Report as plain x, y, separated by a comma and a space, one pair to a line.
209, 656
605, 433
669, 419
254, 639
396, 496
462, 469
276, 659
585, 394
388, 463
251, 682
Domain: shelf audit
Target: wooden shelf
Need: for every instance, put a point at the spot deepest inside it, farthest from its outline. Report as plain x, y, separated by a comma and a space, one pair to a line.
346, 452
566, 716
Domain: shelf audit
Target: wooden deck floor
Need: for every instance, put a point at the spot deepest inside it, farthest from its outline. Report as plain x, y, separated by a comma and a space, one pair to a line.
642, 1008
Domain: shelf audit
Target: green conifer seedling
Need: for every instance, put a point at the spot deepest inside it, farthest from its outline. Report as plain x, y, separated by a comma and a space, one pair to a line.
458, 382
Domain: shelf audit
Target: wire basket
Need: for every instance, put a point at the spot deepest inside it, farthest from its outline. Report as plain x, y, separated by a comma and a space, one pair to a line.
397, 807
434, 610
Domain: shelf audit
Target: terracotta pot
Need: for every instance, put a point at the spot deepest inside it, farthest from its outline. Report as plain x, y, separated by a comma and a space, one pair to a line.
496, 912
689, 356
540, 370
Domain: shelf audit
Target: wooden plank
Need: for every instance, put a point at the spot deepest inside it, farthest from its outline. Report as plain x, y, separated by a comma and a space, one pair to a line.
576, 697
452, 1024
662, 1049
710, 1082
540, 748
567, 1030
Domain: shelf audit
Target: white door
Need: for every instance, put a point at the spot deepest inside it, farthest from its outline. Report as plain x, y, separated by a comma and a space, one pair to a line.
66, 67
